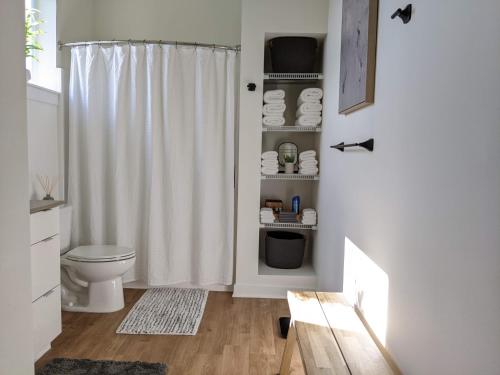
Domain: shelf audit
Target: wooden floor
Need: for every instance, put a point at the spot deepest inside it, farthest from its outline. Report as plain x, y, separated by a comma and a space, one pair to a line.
237, 336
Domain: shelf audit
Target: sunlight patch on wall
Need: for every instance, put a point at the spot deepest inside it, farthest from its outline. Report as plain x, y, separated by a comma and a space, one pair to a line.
366, 286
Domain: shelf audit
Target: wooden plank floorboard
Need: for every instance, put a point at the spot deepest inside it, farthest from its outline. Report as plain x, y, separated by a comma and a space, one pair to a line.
237, 336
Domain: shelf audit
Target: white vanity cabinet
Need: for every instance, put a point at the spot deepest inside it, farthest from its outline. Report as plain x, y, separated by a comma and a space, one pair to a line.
45, 279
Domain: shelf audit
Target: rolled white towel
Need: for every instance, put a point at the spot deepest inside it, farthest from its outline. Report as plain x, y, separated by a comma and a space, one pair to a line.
309, 217
273, 120
273, 109
271, 221
309, 171
312, 94
274, 96
311, 163
269, 170
269, 162
308, 210
308, 154
308, 120
269, 155
267, 216
309, 108
309, 222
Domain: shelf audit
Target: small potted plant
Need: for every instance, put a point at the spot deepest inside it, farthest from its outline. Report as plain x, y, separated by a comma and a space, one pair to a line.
32, 31
289, 163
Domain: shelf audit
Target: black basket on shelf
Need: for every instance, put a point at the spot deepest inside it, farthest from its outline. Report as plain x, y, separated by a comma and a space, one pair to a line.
293, 54
284, 249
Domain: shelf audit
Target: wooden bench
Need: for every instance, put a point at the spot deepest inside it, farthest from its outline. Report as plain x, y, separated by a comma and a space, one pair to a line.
331, 337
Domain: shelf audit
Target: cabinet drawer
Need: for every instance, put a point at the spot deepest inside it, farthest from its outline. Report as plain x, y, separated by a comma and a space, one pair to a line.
45, 268
46, 321
44, 224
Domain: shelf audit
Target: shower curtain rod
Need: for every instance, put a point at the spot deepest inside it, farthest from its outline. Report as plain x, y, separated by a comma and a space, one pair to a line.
135, 41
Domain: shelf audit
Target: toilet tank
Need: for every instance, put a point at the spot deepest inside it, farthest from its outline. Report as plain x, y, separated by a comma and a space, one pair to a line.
65, 227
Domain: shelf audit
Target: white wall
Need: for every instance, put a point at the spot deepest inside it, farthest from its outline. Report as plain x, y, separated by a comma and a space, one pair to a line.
425, 205
208, 21
45, 137
16, 347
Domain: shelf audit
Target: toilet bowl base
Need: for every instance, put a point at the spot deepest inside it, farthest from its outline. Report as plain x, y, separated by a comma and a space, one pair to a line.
98, 297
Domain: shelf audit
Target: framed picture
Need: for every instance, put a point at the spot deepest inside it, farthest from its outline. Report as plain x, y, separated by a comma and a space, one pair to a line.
357, 54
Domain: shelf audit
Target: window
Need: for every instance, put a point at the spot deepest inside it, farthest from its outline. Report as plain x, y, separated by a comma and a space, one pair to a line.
44, 71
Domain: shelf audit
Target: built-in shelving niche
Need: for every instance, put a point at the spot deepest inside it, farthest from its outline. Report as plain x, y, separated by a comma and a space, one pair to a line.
285, 187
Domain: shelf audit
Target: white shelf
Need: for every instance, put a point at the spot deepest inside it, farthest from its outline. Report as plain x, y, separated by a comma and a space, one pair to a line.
285, 176
292, 128
292, 77
289, 226
306, 270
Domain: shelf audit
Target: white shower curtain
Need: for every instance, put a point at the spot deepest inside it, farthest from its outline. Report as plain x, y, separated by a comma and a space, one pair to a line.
151, 157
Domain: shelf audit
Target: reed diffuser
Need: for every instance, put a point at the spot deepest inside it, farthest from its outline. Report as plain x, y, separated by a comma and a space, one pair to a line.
48, 184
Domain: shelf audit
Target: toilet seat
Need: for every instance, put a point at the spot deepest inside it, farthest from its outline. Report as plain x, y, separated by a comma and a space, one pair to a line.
99, 253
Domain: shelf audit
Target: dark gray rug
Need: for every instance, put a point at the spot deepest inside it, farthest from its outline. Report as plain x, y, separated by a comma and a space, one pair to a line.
66, 366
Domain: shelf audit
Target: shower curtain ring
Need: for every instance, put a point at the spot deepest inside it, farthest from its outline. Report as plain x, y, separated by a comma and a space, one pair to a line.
176, 44
213, 47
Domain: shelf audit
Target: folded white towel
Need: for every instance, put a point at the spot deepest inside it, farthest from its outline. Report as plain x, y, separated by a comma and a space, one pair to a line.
269, 170
308, 163
309, 211
266, 209
270, 155
309, 108
312, 94
308, 154
273, 120
273, 109
308, 120
274, 96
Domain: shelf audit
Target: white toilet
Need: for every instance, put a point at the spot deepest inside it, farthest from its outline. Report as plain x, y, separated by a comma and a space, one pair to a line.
91, 276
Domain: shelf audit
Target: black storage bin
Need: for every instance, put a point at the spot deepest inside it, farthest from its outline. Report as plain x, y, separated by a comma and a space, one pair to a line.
284, 249
293, 54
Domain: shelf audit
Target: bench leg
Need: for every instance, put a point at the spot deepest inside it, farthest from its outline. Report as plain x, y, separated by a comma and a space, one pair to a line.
291, 341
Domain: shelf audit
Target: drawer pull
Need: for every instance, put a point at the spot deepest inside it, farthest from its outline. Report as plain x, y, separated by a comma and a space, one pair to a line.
49, 293
49, 238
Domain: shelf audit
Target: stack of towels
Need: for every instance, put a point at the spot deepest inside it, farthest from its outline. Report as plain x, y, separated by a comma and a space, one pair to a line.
269, 163
309, 216
266, 215
308, 164
309, 107
274, 107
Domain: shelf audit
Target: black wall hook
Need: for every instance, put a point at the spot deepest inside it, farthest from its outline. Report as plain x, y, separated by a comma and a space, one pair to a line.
368, 144
404, 14
251, 86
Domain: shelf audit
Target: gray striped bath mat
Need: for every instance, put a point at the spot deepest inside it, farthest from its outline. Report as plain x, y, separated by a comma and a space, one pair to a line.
166, 311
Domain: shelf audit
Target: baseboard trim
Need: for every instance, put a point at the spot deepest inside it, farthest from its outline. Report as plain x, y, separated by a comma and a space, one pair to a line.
212, 287
263, 291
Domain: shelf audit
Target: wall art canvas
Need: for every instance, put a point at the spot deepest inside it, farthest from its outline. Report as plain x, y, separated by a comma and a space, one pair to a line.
357, 54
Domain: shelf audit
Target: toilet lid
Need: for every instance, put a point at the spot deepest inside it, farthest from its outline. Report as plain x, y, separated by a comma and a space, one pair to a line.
100, 253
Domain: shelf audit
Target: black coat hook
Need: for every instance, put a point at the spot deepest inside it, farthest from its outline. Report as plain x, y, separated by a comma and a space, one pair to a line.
368, 144
404, 14
251, 86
